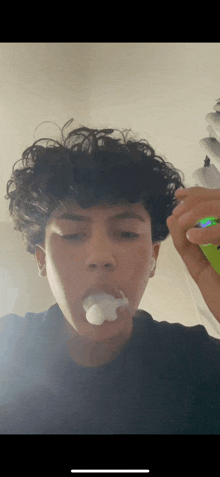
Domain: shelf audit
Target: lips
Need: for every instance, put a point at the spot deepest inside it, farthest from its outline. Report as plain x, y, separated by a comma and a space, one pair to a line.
100, 288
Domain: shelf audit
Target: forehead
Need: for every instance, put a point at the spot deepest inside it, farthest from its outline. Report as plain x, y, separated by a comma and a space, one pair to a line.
105, 210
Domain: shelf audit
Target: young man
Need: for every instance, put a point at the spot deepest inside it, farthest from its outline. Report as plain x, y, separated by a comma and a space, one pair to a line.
93, 213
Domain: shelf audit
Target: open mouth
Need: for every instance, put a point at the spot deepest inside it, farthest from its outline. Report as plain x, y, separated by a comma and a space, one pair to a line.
100, 288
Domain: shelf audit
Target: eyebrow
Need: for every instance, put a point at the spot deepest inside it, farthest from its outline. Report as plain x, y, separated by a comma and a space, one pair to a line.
123, 215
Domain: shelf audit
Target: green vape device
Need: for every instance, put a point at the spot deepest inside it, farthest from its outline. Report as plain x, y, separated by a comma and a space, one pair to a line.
211, 252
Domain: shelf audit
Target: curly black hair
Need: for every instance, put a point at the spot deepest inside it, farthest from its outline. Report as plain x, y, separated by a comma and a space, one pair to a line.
94, 169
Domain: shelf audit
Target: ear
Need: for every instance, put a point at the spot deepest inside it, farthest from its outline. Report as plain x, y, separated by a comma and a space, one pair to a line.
156, 249
40, 256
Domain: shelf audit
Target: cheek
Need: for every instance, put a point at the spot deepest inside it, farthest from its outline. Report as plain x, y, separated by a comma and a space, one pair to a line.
136, 263
139, 276
141, 267
60, 265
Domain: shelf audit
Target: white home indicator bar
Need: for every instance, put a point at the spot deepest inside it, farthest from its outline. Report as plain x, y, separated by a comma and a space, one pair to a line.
111, 471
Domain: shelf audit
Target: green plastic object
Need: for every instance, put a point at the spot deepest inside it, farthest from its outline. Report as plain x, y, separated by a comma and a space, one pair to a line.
211, 252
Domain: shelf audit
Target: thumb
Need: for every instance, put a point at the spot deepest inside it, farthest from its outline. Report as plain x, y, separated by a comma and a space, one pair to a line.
190, 253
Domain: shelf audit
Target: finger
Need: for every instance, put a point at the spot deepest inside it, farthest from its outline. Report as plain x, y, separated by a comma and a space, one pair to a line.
206, 236
197, 191
194, 198
192, 255
200, 212
178, 234
186, 191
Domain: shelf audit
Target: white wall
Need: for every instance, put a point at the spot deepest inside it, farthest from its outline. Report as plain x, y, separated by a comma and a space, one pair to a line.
162, 91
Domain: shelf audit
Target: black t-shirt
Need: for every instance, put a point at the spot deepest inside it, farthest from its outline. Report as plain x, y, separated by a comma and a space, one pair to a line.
166, 380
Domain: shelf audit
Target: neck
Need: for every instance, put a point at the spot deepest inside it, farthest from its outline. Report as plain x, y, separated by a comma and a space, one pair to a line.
92, 353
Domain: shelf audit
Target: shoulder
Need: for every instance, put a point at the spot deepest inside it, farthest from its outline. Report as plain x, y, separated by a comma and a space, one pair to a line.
177, 338
171, 329
15, 329
10, 325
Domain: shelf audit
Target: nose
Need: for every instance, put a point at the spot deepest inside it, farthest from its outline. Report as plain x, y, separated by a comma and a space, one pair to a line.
100, 255
101, 261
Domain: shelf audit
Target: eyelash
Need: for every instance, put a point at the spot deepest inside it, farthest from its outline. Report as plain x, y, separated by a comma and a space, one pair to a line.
69, 237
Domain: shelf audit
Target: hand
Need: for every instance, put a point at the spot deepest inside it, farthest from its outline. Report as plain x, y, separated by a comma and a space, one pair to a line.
198, 203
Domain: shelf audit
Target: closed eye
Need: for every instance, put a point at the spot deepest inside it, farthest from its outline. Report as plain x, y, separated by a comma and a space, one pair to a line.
75, 236
130, 233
